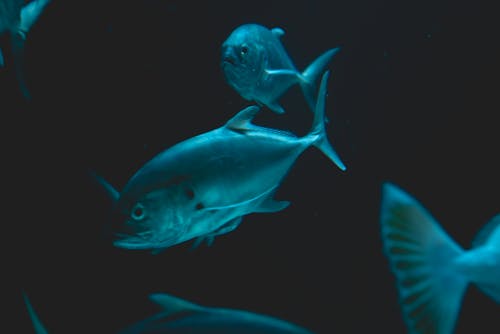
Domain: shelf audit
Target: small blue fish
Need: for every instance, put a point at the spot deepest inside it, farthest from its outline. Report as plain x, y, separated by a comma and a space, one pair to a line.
203, 186
432, 271
257, 66
179, 316
17, 19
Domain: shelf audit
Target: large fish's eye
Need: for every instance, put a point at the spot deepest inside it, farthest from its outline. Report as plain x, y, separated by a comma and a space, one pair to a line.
138, 211
244, 49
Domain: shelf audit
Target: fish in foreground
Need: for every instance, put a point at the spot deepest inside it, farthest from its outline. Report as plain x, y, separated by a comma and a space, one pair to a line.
432, 271
257, 66
203, 186
181, 316
17, 19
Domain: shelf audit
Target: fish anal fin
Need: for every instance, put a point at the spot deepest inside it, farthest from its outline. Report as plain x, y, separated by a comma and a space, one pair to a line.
272, 205
276, 107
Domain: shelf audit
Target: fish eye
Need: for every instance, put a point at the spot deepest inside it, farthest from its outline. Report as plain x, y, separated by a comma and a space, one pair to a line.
244, 50
138, 211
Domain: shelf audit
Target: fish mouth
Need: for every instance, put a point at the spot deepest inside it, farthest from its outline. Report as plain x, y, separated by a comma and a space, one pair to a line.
128, 241
140, 241
228, 61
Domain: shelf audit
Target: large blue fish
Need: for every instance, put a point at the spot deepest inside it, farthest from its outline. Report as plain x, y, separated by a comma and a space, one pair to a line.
182, 317
203, 186
432, 271
17, 19
257, 66
179, 316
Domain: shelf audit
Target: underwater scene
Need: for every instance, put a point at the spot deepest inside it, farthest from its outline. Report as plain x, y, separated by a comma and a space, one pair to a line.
250, 167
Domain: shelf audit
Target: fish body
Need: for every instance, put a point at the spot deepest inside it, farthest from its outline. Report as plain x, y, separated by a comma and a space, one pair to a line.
432, 271
17, 18
182, 317
202, 187
257, 66
179, 316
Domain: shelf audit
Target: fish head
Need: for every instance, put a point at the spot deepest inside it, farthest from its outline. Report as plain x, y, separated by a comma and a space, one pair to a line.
244, 57
149, 221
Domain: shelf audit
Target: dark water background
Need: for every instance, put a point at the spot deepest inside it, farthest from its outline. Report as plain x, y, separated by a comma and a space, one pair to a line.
413, 99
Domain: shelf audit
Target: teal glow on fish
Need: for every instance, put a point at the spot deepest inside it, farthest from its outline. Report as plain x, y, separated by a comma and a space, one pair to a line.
257, 66
17, 19
432, 271
203, 186
179, 316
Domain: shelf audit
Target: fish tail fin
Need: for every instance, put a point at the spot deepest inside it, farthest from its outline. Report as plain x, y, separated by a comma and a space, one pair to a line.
18, 41
421, 256
489, 236
310, 75
37, 324
318, 128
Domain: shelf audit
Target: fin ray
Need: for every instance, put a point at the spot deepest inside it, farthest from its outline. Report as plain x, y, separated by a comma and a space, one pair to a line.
430, 291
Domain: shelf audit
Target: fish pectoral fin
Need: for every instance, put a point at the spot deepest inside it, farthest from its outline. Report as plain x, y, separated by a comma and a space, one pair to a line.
172, 305
243, 119
278, 32
286, 73
210, 237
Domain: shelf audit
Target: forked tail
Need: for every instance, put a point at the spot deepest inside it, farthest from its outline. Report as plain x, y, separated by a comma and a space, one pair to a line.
318, 127
420, 256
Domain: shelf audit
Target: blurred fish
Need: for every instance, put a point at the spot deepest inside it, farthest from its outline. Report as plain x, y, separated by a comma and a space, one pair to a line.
257, 66
38, 326
16, 18
203, 186
181, 316
432, 271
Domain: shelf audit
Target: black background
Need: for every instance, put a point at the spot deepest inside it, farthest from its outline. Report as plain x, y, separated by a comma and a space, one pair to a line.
412, 100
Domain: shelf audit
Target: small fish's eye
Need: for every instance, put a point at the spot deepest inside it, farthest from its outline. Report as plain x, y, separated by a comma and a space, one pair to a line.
138, 212
244, 50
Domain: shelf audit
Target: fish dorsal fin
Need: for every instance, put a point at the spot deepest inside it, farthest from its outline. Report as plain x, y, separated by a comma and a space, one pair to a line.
243, 119
173, 305
111, 193
486, 232
278, 32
